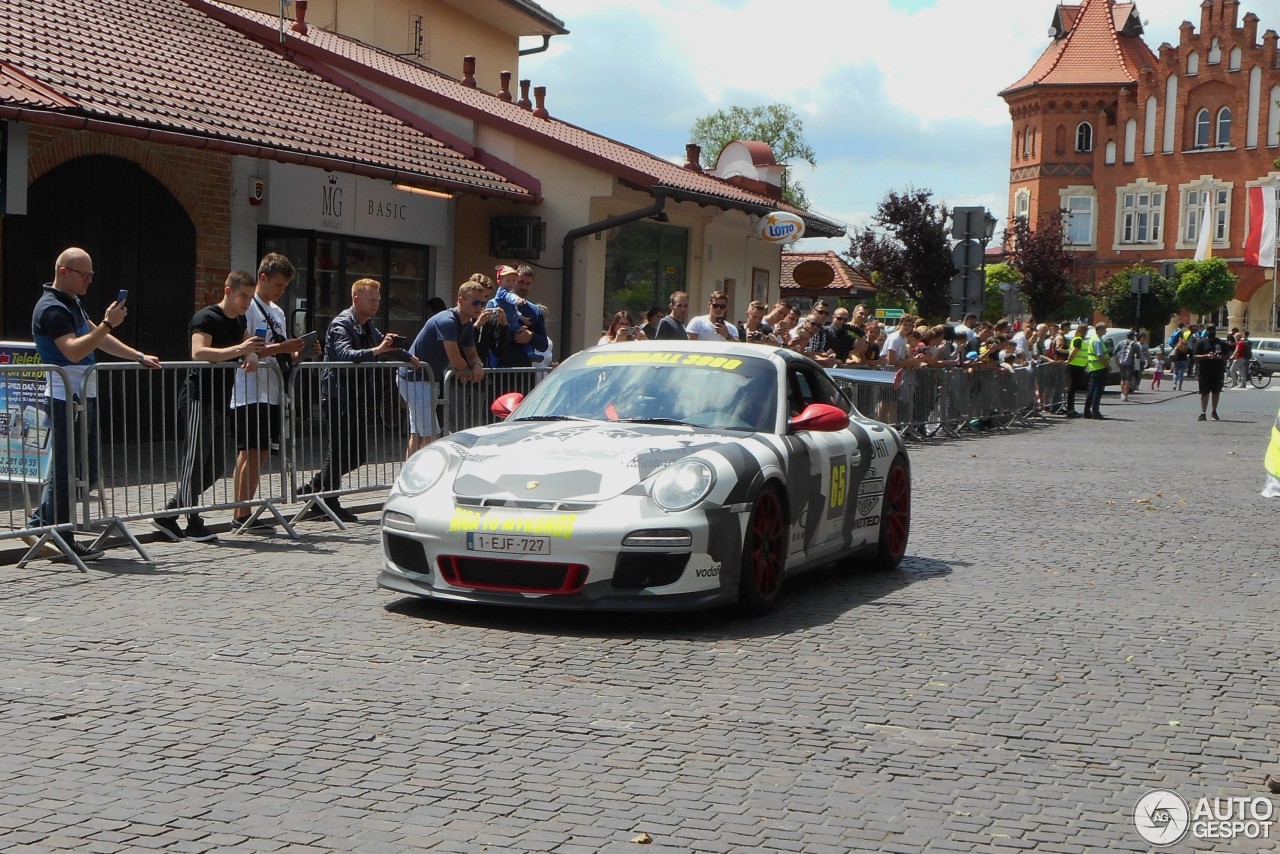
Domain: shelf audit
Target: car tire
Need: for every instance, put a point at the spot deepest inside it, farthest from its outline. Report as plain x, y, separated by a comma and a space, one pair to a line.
895, 518
764, 550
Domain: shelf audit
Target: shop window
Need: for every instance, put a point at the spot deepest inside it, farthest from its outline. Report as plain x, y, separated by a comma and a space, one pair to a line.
644, 262
328, 265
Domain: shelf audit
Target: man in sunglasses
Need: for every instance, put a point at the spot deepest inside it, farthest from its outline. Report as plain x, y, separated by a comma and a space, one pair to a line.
714, 325
447, 342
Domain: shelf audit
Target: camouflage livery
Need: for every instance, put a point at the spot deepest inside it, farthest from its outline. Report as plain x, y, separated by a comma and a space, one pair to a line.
555, 507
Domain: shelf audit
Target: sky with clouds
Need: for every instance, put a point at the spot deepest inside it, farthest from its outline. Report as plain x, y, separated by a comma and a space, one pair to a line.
892, 92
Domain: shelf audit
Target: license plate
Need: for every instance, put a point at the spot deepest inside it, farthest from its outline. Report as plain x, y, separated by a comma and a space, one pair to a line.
508, 544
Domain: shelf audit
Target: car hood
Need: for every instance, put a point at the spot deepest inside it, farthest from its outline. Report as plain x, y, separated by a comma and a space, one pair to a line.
570, 461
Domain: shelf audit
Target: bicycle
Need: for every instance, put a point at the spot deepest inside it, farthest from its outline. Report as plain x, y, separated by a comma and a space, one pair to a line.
1258, 375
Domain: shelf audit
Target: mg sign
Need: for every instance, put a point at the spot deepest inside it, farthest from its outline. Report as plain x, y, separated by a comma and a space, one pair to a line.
780, 227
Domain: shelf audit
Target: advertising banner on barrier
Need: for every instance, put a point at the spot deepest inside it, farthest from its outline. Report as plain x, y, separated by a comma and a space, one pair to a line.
24, 424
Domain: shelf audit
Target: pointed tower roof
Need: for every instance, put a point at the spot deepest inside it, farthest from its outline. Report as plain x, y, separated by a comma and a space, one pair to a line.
1097, 42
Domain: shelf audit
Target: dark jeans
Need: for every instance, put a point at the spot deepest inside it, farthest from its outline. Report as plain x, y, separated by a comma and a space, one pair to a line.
58, 496
347, 425
1097, 385
1077, 380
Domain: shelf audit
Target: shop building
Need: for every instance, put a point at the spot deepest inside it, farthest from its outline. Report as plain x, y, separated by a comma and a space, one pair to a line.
1132, 142
178, 141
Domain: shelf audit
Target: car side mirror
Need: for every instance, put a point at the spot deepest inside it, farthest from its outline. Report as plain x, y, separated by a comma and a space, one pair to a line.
506, 404
820, 417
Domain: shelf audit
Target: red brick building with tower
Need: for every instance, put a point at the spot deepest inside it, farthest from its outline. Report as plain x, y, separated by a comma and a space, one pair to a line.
1133, 143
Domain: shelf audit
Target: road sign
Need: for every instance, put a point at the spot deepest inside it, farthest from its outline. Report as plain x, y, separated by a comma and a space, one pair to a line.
889, 313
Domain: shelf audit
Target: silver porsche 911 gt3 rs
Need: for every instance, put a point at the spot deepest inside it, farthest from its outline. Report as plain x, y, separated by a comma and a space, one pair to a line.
653, 475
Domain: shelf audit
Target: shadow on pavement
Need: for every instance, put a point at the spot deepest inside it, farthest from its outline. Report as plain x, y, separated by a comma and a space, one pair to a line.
815, 598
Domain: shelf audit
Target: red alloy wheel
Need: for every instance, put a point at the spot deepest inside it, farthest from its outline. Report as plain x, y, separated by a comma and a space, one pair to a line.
896, 514
764, 553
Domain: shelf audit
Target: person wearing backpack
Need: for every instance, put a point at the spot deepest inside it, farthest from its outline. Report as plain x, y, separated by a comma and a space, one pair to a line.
1126, 358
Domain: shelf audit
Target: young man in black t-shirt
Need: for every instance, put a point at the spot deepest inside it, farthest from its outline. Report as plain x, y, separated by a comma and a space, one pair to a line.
218, 334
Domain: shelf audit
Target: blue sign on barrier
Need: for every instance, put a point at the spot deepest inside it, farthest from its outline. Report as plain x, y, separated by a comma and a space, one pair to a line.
24, 423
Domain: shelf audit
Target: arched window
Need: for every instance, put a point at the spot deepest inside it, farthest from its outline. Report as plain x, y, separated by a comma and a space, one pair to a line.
1224, 126
1084, 137
1193, 64
1215, 51
1032, 132
1202, 129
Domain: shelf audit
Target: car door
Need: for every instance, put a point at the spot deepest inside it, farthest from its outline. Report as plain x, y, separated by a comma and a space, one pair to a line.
819, 469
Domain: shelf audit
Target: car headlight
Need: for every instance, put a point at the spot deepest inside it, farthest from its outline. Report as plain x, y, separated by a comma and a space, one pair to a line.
682, 485
422, 470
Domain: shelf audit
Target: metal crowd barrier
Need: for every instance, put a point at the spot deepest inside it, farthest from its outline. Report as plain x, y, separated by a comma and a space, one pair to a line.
466, 405
183, 440
928, 402
349, 430
39, 439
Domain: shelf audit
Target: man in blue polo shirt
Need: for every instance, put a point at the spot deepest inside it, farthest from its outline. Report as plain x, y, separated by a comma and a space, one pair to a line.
65, 336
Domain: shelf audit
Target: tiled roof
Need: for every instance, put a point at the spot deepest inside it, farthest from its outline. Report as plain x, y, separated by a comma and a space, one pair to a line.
845, 280
18, 88
1093, 50
176, 73
639, 168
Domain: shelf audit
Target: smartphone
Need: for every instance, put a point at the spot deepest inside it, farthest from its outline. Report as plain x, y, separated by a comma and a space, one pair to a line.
121, 297
261, 332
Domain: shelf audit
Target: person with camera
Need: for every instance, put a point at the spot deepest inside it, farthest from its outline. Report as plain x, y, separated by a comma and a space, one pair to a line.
755, 329
219, 333
713, 326
621, 328
446, 342
257, 395
351, 395
65, 336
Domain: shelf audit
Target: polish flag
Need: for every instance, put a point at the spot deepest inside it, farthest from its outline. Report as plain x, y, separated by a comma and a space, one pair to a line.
1260, 245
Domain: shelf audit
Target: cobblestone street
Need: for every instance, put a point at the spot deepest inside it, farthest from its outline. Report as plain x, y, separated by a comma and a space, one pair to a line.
1087, 612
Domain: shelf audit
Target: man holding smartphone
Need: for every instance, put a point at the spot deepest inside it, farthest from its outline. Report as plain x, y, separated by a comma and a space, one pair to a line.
714, 325
65, 336
257, 395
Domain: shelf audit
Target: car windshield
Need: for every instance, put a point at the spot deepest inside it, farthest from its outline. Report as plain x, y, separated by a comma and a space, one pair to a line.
659, 387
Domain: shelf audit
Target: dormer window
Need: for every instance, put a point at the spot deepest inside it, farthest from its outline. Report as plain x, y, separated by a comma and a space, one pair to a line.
1084, 137
1224, 127
1203, 123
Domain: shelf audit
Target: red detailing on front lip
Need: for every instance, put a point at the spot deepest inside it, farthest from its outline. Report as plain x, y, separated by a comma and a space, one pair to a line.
512, 576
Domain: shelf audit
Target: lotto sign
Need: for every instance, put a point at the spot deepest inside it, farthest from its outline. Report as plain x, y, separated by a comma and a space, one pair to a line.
781, 227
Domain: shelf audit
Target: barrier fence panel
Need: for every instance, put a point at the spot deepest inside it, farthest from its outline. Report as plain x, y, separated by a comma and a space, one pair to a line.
927, 402
349, 431
467, 405
186, 439
37, 468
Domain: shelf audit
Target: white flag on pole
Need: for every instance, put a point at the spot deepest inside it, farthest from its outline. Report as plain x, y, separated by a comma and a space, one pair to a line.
1204, 249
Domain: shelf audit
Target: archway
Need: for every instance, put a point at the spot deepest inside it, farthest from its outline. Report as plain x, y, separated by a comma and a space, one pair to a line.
140, 238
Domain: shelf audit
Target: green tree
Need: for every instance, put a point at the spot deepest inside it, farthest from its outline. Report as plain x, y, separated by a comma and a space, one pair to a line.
908, 250
993, 294
1205, 286
1121, 307
776, 124
1048, 272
